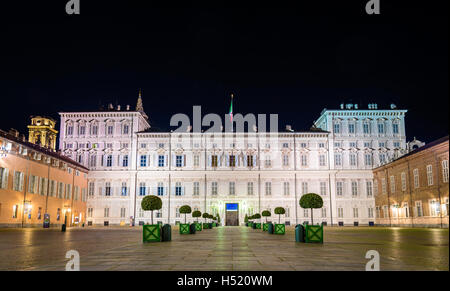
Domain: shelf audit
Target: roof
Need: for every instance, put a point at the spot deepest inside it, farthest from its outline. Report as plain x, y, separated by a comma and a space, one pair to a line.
43, 150
418, 150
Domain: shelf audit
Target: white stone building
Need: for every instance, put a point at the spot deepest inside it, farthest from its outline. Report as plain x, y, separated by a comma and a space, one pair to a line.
208, 171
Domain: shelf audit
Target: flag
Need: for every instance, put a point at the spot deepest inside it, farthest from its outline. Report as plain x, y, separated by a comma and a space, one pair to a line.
231, 109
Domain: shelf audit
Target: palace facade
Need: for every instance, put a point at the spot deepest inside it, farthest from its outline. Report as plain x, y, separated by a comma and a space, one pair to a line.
412, 191
38, 183
224, 171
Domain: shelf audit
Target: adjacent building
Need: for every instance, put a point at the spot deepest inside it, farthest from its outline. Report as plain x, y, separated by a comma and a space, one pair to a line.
37, 183
220, 172
413, 190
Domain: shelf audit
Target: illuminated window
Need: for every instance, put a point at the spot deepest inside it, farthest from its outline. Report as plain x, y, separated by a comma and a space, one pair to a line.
430, 175
445, 171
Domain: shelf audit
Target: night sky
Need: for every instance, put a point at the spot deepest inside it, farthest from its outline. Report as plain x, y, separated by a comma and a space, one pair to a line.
276, 57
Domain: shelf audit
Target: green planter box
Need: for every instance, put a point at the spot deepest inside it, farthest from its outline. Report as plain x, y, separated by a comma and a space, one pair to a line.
258, 225
279, 229
151, 232
313, 233
250, 224
198, 226
265, 227
206, 226
184, 228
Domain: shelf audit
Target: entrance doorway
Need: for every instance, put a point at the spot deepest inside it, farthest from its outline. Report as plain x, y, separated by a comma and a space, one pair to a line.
232, 214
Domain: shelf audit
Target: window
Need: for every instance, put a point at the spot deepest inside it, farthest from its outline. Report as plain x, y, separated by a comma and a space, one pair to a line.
60, 190
380, 128
406, 209
124, 189
322, 160
109, 145
392, 182
93, 161
214, 188
366, 128
33, 184
339, 188
126, 129
419, 209
18, 181
444, 171
352, 159
285, 160
352, 144
122, 212
324, 212
160, 189
94, 130
249, 161
285, 145
382, 158
196, 160
110, 129
416, 178
70, 130
249, 188
395, 128
383, 186
143, 145
304, 160
196, 190
214, 162
91, 187
161, 161
355, 212
268, 161
368, 159
143, 161
337, 159
305, 212
178, 189
232, 186
268, 188
375, 187
179, 161
90, 212
340, 212
286, 188
106, 212
232, 161
403, 178
109, 161
107, 189
161, 145
323, 188
125, 161
369, 189
52, 189
354, 188
351, 128
430, 175
76, 193
396, 144
435, 208
142, 189
370, 212
321, 145
303, 145
304, 187
337, 128
82, 130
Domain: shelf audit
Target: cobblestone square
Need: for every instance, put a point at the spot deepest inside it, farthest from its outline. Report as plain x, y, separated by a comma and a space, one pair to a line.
224, 248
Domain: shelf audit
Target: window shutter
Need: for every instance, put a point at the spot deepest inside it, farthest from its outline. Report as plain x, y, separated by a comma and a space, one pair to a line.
166, 160
184, 160
245, 160
254, 161
228, 160
155, 160
183, 190
172, 189
100, 191
155, 191
209, 160
174, 162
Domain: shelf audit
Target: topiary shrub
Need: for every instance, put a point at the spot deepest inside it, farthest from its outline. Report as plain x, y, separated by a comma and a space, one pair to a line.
246, 218
312, 201
196, 214
279, 211
205, 216
266, 213
151, 203
257, 216
185, 209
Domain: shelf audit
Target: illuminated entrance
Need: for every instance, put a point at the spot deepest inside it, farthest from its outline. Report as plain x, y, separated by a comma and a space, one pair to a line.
232, 214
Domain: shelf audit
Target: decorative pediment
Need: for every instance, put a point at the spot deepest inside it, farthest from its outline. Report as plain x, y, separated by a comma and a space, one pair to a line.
178, 151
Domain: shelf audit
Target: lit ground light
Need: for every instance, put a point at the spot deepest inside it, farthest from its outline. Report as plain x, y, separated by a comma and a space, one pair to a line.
224, 248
